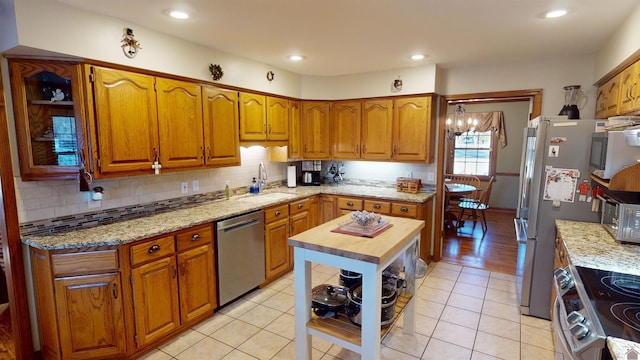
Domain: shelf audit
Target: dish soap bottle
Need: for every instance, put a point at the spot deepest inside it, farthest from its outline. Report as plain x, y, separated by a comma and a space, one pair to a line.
227, 191
254, 187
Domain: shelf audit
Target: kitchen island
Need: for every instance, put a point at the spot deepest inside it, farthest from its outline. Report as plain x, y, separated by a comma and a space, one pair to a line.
368, 256
590, 245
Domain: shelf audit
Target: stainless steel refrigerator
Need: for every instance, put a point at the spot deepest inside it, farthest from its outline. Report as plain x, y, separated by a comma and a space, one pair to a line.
553, 147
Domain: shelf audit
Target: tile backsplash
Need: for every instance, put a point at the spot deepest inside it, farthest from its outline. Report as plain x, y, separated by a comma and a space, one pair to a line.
45, 203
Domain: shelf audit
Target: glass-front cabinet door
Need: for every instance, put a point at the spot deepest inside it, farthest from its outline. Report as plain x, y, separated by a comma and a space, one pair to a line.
48, 109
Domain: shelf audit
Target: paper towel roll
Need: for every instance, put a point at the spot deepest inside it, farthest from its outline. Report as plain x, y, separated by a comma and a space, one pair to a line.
291, 176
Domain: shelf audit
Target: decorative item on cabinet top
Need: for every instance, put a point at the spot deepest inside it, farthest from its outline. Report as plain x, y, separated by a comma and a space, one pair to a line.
216, 71
129, 44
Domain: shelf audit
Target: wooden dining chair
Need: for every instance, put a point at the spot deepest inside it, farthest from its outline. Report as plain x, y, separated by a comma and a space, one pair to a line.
476, 208
467, 180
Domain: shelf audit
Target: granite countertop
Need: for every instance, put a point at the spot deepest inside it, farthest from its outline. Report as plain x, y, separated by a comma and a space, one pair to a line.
145, 227
590, 245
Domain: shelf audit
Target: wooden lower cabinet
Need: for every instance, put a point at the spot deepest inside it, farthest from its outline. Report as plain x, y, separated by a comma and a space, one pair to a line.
303, 215
173, 282
155, 300
86, 311
276, 235
79, 304
326, 208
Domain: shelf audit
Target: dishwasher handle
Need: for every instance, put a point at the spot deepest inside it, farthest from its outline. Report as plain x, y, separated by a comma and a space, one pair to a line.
238, 225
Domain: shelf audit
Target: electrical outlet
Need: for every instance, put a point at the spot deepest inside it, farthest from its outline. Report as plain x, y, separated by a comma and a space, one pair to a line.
195, 185
431, 176
184, 187
409, 174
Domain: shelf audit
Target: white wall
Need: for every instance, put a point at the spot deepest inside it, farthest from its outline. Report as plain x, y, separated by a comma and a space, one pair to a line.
549, 75
624, 43
88, 35
415, 80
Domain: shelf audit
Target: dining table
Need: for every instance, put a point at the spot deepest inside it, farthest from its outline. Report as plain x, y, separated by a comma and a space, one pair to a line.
368, 255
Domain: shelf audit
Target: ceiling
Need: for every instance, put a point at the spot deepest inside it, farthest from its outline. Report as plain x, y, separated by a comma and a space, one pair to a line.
338, 37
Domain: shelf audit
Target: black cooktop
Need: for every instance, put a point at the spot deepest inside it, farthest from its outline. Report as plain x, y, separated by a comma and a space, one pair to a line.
616, 299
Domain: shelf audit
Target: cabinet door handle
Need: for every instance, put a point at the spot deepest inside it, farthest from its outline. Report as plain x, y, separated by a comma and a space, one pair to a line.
183, 269
357, 148
175, 271
202, 152
376, 206
300, 206
154, 248
209, 152
195, 237
349, 203
404, 209
114, 290
278, 212
269, 128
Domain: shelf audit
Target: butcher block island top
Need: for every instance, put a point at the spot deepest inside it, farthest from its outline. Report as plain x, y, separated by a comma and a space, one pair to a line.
374, 250
368, 256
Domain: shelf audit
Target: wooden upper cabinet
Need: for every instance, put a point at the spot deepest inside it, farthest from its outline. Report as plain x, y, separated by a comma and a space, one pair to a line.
377, 122
629, 97
220, 114
125, 121
180, 123
611, 94
413, 129
600, 103
294, 149
277, 119
316, 129
345, 125
49, 108
253, 117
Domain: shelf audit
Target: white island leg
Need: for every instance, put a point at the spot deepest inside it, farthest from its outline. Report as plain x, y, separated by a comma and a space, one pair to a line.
302, 291
371, 314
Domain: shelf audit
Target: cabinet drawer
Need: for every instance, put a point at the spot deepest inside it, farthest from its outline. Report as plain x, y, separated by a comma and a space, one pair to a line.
404, 210
196, 236
85, 262
276, 213
379, 207
152, 249
349, 203
299, 206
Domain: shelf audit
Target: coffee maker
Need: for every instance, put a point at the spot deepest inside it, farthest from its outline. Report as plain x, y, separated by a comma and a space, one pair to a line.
311, 172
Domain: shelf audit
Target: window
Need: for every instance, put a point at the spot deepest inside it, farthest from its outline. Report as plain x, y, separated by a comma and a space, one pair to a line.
473, 154
65, 145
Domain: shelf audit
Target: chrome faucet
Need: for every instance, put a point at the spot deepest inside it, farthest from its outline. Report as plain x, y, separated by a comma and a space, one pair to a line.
262, 176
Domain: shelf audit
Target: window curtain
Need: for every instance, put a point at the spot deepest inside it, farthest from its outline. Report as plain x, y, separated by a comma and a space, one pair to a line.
492, 120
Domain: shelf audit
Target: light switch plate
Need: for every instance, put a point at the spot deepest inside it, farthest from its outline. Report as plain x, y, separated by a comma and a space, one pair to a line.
195, 185
184, 187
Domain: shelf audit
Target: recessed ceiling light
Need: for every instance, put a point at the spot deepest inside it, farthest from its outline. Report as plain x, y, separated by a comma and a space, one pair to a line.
295, 57
177, 14
555, 13
417, 57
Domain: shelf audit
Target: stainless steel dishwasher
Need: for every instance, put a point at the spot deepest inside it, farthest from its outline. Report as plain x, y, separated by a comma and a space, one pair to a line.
240, 255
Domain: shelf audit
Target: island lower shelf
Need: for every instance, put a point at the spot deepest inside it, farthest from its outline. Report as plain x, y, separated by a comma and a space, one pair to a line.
342, 328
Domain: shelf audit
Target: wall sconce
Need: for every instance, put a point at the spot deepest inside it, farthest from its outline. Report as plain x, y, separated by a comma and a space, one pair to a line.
457, 126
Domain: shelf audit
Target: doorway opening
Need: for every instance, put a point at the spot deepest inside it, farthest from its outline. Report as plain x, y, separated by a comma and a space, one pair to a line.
494, 100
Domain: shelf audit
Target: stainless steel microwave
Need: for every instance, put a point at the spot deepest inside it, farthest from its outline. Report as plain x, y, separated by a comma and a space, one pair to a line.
610, 153
621, 216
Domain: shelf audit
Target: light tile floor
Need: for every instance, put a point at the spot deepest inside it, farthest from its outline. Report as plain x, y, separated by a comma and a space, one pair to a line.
462, 313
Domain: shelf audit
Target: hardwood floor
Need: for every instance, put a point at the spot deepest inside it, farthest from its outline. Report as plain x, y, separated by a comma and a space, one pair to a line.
496, 250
